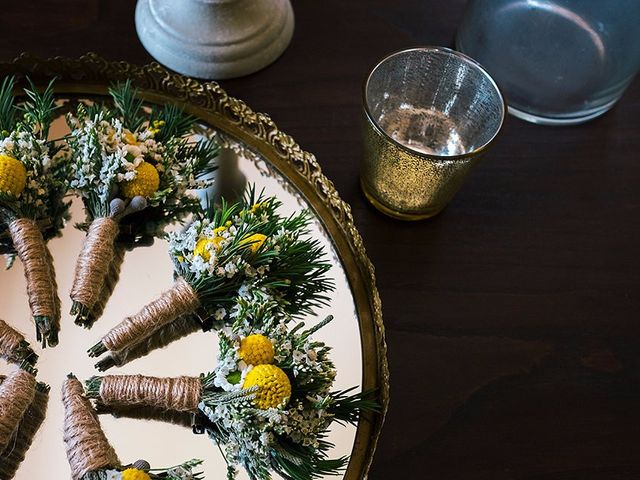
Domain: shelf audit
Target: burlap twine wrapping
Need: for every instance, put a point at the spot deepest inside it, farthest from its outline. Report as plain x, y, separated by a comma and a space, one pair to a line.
182, 327
110, 282
32, 251
93, 262
15, 453
16, 394
179, 300
54, 287
12, 342
182, 419
181, 394
86, 444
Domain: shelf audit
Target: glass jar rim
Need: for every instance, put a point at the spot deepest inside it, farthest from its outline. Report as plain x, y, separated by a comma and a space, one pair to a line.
451, 53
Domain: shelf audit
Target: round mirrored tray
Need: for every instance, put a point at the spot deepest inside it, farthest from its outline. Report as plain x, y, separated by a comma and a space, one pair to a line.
254, 152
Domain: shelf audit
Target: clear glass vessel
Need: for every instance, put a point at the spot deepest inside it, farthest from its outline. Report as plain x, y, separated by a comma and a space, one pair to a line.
557, 61
429, 114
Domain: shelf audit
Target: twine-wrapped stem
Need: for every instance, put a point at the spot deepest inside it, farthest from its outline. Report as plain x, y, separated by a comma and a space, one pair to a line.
180, 394
182, 419
13, 347
54, 286
16, 394
110, 282
41, 284
92, 267
15, 453
179, 300
87, 446
183, 326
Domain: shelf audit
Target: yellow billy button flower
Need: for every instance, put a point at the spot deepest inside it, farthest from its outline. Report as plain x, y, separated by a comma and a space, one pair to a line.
13, 176
129, 138
274, 386
255, 207
145, 184
254, 241
135, 474
156, 126
205, 245
256, 350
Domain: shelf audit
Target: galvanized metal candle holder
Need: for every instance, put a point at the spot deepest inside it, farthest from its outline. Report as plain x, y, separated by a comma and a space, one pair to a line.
429, 114
216, 39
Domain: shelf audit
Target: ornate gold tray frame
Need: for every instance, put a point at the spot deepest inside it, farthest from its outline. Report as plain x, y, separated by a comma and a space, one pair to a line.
91, 75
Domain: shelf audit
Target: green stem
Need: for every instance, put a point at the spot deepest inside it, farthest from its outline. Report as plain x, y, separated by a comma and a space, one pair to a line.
24, 352
45, 331
82, 314
97, 350
105, 364
27, 367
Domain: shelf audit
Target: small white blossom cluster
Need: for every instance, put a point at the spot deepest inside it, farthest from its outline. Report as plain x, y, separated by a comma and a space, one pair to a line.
249, 441
43, 177
105, 154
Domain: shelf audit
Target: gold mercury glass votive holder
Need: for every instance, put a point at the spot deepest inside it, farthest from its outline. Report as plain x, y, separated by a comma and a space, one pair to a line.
430, 113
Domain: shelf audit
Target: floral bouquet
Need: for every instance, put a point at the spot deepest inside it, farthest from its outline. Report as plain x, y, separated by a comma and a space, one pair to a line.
90, 454
22, 438
244, 250
32, 207
133, 173
268, 403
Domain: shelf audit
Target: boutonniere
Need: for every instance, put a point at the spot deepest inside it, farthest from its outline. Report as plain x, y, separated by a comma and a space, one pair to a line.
33, 183
244, 250
134, 173
269, 402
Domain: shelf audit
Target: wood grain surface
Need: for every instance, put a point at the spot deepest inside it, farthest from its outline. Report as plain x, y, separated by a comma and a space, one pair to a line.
512, 317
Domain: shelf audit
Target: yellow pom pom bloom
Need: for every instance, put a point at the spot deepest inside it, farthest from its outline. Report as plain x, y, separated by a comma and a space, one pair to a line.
205, 245
256, 240
13, 176
255, 207
256, 350
156, 126
145, 184
135, 474
274, 386
129, 138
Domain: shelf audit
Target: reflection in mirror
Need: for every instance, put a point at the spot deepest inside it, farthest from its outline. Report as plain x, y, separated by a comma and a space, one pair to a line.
164, 440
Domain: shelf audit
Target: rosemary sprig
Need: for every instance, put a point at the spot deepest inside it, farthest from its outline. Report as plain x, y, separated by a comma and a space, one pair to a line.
39, 109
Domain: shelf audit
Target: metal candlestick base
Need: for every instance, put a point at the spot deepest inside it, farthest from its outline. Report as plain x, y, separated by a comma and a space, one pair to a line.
215, 39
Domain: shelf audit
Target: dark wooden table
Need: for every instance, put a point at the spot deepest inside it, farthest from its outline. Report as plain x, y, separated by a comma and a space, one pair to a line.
512, 318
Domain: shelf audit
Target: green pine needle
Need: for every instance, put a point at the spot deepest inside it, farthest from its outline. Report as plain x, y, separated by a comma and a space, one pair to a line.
128, 104
296, 462
7, 107
172, 121
346, 408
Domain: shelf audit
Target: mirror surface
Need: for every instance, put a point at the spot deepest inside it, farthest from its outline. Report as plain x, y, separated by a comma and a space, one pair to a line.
146, 272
